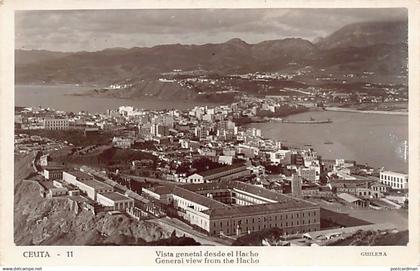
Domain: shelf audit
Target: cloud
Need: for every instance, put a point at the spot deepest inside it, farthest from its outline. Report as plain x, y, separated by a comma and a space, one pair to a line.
74, 30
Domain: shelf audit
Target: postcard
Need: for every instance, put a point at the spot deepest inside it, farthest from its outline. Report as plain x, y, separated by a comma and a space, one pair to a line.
198, 133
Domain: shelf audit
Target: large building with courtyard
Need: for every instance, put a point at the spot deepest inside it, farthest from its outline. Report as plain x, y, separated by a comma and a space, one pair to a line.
236, 208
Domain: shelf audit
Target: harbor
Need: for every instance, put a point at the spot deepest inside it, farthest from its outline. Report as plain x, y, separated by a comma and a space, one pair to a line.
310, 121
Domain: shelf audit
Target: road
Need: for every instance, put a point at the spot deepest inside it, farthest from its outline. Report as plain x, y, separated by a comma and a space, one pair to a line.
181, 228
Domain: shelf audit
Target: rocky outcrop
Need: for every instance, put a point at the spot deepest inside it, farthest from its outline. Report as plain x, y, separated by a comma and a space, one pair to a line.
61, 221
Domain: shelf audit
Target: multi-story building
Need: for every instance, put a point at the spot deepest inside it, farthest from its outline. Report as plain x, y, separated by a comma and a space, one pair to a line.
56, 124
86, 183
53, 172
234, 208
393, 179
308, 174
122, 142
280, 156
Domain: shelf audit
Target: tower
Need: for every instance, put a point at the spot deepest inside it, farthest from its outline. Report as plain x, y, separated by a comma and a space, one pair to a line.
296, 185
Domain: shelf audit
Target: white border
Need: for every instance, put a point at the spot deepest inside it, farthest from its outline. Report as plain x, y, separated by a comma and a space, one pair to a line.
11, 255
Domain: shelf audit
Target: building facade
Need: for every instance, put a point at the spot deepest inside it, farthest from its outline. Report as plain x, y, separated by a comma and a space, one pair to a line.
115, 200
53, 173
236, 208
86, 183
394, 180
56, 124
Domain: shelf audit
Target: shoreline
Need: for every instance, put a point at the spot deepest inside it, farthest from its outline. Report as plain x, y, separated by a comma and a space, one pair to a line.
340, 109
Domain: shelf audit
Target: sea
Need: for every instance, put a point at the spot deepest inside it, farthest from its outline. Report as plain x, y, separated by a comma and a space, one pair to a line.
373, 139
61, 97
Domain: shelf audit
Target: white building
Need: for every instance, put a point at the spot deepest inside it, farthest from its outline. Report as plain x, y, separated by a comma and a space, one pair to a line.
225, 159
115, 200
195, 178
393, 179
53, 173
86, 183
125, 110
280, 156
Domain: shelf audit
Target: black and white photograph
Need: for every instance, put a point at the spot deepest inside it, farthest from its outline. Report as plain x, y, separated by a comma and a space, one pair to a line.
211, 127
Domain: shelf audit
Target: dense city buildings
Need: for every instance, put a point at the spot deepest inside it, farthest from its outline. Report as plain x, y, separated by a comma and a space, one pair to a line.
201, 166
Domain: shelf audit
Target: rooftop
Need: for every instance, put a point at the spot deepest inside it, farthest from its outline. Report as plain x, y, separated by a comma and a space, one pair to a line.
219, 170
347, 197
394, 173
259, 208
54, 167
79, 175
115, 196
197, 198
161, 189
282, 201
95, 184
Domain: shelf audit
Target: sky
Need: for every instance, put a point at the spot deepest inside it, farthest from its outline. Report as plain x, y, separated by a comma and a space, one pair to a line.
93, 30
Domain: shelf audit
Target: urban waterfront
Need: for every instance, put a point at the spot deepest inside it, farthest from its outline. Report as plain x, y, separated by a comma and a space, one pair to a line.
62, 97
367, 138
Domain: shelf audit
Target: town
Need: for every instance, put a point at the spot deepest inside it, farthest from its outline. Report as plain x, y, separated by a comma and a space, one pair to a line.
203, 173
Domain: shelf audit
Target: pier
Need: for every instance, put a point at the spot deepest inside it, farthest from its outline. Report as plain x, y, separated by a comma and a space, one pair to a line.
310, 121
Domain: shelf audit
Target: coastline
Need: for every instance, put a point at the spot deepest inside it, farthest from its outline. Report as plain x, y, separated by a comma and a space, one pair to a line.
340, 109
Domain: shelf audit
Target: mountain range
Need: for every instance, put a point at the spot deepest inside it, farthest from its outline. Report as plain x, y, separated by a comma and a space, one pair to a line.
379, 47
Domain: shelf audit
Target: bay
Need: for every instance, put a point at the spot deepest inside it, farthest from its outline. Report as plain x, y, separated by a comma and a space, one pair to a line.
375, 139
60, 97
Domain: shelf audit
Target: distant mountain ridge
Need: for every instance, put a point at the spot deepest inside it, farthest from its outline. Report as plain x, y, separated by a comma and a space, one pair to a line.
380, 47
366, 34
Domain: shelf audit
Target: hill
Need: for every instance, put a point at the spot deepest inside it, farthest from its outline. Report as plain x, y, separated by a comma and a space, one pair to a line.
378, 47
58, 221
366, 34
